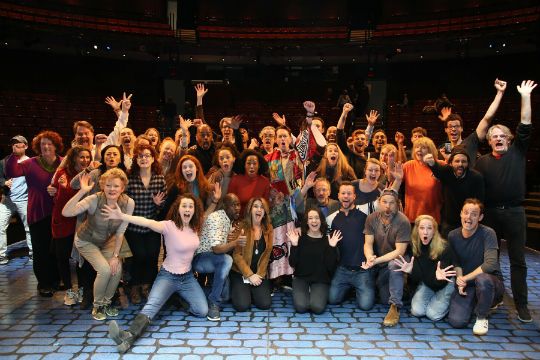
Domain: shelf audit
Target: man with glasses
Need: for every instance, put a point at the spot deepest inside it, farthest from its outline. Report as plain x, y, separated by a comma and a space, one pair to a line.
268, 138
504, 176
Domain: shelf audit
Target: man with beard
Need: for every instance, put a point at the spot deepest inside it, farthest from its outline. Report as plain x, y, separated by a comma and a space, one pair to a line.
504, 176
459, 183
321, 190
454, 127
205, 148
212, 255
387, 234
350, 220
331, 134
355, 156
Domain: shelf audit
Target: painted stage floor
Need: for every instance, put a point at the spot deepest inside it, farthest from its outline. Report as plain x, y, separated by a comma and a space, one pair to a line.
32, 327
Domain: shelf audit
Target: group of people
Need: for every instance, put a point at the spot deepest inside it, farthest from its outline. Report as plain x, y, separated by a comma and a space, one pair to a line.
327, 213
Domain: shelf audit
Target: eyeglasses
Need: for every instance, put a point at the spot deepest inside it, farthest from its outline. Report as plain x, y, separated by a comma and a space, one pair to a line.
499, 136
144, 156
453, 127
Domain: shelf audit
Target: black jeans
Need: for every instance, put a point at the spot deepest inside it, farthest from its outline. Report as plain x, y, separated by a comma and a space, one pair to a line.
308, 296
145, 248
44, 262
242, 295
511, 225
63, 247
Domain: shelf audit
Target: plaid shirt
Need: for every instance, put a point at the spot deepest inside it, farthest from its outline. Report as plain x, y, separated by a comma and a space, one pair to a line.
144, 204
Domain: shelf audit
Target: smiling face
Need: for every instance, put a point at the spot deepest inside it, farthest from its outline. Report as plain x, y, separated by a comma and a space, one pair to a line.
186, 209
359, 141
387, 155
453, 130
189, 170
420, 151
372, 172
460, 164
257, 212
113, 188
426, 231
84, 137
331, 134
314, 221
379, 140
332, 154
127, 137
145, 159
498, 141
154, 137
47, 147
226, 160
167, 151
82, 161
252, 165
232, 207
346, 196
470, 217
322, 192
204, 136
111, 158
283, 139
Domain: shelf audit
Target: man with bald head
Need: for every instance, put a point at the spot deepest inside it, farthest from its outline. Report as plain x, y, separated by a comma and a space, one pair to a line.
212, 256
205, 148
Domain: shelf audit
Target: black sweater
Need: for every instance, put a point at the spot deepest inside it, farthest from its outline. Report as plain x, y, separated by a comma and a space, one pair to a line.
424, 267
314, 259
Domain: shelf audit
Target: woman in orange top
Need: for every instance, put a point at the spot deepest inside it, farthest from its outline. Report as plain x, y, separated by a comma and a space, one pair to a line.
423, 191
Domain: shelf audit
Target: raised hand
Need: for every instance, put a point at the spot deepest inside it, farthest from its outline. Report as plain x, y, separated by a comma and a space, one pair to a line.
428, 159
404, 266
200, 90
336, 237
400, 138
216, 193
235, 122
93, 165
112, 213
500, 85
111, 101
396, 171
310, 107
445, 112
293, 237
527, 86
158, 198
372, 117
347, 108
100, 139
253, 143
62, 181
184, 124
86, 185
443, 274
279, 119
126, 103
310, 180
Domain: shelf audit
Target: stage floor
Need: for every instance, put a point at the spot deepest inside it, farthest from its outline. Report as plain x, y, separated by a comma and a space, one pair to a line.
32, 327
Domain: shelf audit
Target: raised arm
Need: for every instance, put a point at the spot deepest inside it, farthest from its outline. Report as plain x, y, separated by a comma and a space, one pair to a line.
117, 214
371, 119
527, 86
484, 124
199, 112
343, 118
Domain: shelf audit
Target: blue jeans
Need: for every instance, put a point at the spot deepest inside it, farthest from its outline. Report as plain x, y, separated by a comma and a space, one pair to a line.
185, 285
390, 283
217, 264
432, 304
363, 281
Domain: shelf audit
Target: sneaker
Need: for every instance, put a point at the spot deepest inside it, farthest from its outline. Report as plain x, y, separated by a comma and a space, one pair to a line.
3, 260
497, 305
213, 312
70, 298
481, 327
523, 313
392, 318
111, 311
98, 313
45, 292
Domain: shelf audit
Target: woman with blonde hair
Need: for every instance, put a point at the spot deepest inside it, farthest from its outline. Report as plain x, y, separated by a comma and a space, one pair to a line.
423, 191
432, 267
335, 168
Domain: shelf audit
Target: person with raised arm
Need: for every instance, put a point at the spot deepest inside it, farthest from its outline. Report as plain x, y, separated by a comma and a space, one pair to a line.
224, 165
432, 267
321, 191
100, 240
181, 237
314, 258
504, 176
335, 168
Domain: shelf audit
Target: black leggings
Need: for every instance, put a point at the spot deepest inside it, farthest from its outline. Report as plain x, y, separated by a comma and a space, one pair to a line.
309, 296
145, 248
242, 295
63, 247
44, 262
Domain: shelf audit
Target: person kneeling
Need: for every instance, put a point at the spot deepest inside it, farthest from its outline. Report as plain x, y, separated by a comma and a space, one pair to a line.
181, 237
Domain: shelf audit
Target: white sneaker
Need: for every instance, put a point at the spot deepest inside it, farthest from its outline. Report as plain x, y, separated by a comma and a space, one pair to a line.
70, 298
481, 327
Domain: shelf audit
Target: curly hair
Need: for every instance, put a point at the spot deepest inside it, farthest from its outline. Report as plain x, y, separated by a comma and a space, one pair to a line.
263, 165
343, 171
156, 166
197, 219
70, 161
121, 166
324, 225
224, 146
202, 182
53, 136
437, 244
248, 220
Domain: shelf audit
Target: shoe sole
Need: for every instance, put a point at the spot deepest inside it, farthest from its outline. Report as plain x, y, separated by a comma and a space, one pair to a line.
524, 320
213, 319
479, 334
101, 319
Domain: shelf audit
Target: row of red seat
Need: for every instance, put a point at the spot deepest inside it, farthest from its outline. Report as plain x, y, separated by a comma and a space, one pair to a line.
329, 29
281, 36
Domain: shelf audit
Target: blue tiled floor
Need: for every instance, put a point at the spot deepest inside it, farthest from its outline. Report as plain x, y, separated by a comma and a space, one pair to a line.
32, 327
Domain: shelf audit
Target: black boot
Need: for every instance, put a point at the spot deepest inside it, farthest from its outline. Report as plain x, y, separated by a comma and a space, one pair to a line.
125, 339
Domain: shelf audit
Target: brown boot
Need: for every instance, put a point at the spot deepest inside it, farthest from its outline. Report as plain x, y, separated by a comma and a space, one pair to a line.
136, 294
145, 290
392, 318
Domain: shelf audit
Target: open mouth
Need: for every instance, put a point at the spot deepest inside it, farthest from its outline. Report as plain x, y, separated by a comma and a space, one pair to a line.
127, 141
186, 217
372, 178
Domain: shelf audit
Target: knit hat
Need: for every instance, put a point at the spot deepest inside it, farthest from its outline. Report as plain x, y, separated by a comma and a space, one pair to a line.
458, 149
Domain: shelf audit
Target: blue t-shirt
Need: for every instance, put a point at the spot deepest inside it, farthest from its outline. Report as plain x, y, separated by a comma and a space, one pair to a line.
351, 246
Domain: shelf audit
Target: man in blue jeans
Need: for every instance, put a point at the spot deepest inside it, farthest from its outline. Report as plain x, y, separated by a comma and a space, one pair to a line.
212, 255
387, 233
350, 219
